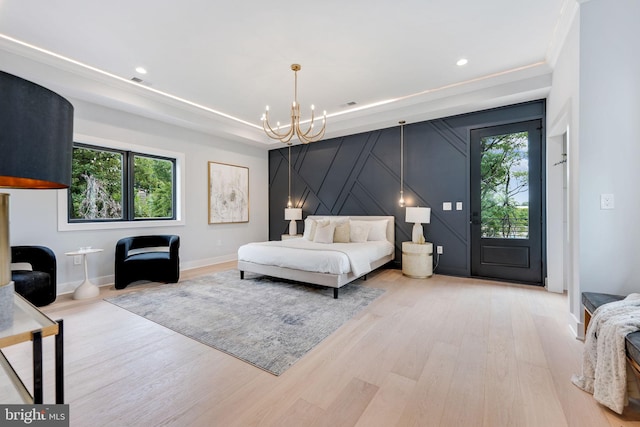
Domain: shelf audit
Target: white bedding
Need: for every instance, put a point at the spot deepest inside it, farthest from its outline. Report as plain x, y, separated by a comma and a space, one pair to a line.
302, 254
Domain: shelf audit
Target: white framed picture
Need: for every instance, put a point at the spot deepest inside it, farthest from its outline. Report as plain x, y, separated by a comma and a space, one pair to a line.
228, 193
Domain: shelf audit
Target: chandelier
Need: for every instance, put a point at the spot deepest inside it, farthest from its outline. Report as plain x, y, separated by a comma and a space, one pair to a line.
306, 136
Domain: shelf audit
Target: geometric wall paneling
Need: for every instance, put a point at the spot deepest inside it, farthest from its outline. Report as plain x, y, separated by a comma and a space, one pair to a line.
360, 175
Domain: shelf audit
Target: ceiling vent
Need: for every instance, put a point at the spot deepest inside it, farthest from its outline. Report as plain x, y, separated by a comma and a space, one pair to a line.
140, 81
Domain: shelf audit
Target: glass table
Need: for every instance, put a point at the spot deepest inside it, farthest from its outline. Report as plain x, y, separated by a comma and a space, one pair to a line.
30, 324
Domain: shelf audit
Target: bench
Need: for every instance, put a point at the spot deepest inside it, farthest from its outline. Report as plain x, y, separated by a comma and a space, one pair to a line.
593, 300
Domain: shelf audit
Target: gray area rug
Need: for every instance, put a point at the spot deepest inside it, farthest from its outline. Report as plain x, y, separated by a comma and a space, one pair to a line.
267, 322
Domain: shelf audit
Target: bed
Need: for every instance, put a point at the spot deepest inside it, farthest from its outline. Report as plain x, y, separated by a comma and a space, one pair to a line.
310, 260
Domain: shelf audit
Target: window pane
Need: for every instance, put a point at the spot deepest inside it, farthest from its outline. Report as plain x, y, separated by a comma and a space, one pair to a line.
504, 188
96, 184
153, 187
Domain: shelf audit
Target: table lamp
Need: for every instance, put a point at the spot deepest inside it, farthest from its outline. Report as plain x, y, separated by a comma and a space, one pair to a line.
293, 214
418, 216
36, 145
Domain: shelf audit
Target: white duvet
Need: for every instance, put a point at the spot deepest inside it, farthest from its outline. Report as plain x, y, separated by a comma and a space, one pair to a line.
302, 254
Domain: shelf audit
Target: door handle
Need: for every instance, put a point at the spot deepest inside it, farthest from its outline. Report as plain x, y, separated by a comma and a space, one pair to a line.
475, 218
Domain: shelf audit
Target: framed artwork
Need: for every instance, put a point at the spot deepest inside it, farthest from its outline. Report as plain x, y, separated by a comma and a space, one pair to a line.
228, 193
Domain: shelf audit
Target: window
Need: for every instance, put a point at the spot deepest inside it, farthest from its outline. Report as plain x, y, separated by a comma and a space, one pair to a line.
504, 186
109, 184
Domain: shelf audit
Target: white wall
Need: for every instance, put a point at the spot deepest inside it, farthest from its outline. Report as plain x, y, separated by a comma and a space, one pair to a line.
609, 145
33, 213
563, 118
596, 96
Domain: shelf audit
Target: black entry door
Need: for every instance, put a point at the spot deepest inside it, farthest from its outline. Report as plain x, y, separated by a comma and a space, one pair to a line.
506, 202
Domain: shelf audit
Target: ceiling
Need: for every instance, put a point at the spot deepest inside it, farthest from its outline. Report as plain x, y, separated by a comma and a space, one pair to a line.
214, 66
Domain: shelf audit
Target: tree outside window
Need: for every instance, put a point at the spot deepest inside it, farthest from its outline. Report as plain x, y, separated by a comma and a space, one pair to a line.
504, 187
112, 185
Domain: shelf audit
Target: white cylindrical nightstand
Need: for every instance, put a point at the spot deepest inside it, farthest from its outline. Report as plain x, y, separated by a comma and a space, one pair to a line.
289, 236
417, 260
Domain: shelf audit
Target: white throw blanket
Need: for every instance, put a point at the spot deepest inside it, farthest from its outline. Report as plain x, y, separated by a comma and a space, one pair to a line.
604, 365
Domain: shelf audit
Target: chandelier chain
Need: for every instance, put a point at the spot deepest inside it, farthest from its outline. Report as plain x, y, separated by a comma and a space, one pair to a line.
401, 201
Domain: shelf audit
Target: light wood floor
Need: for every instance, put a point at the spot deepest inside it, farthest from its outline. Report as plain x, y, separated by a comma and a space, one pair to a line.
439, 352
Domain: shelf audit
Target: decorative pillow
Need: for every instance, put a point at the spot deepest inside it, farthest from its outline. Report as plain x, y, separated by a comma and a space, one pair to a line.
324, 232
310, 227
341, 234
378, 230
359, 231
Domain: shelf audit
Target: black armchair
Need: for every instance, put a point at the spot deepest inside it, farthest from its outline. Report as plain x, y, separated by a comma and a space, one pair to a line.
153, 258
38, 286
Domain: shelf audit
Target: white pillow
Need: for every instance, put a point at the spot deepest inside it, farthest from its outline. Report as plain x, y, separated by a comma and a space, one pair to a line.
359, 231
378, 230
310, 227
324, 233
341, 233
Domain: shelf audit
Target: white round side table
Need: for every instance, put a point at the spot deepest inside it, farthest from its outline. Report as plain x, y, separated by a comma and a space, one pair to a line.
86, 288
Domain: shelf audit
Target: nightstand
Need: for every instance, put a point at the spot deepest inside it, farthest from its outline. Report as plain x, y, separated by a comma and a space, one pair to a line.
288, 236
417, 260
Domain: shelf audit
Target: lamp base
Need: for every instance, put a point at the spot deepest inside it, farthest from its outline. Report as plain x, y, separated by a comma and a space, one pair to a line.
293, 228
416, 234
6, 305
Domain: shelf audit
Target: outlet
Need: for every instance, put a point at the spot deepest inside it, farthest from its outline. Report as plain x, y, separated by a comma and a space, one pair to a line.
440, 249
607, 201
77, 259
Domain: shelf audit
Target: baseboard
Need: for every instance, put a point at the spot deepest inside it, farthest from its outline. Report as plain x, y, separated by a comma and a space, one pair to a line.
70, 287
576, 326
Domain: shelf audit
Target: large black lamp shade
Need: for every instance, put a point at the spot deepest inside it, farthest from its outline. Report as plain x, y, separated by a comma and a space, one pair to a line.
36, 143
36, 135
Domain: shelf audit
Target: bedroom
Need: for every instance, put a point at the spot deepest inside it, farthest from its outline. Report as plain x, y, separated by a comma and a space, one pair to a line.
34, 216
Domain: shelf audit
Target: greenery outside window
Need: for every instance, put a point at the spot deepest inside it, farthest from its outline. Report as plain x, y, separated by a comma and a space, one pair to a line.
110, 185
504, 187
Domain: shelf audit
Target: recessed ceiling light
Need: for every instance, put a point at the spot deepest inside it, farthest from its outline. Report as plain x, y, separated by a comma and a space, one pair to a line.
141, 70
461, 62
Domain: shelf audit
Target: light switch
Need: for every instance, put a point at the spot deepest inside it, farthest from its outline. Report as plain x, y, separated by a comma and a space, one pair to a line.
446, 206
606, 201
458, 206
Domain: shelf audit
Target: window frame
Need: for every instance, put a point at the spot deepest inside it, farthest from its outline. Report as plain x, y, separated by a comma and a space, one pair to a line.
131, 150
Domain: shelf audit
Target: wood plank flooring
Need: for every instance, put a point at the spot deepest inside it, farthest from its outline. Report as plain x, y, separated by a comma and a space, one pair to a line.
443, 351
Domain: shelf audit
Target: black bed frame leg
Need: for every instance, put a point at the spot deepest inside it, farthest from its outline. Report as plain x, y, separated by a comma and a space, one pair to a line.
241, 275
365, 277
335, 293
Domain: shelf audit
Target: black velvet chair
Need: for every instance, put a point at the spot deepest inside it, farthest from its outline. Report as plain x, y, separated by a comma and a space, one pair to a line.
138, 258
39, 285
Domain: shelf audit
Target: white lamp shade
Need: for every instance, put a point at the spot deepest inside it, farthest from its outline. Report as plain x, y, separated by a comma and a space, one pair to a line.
418, 215
292, 214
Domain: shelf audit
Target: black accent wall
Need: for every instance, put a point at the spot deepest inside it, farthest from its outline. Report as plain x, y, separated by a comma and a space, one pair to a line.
360, 175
